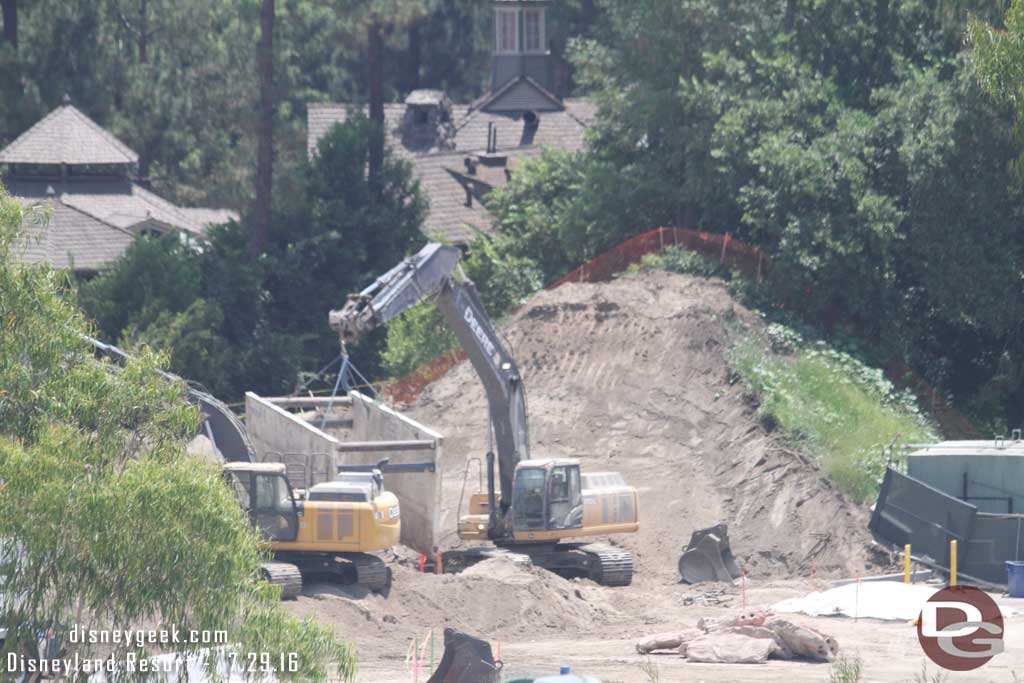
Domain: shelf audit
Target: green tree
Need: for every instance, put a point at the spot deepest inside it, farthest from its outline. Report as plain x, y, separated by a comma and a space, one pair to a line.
116, 526
559, 210
234, 324
156, 275
845, 138
997, 53
344, 232
265, 135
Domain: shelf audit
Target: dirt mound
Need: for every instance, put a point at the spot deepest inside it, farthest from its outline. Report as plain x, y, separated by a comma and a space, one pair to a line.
496, 599
631, 375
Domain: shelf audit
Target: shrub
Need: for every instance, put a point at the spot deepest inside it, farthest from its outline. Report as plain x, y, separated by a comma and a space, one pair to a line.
829, 403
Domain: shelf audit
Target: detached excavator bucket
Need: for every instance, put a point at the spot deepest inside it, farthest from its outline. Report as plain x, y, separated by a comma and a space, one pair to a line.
708, 557
466, 660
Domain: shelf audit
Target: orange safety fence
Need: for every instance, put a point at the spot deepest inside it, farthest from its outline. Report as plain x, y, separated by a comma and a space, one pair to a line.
954, 425
408, 388
739, 256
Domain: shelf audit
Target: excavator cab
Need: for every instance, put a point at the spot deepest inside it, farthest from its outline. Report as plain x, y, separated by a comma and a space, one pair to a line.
547, 496
265, 493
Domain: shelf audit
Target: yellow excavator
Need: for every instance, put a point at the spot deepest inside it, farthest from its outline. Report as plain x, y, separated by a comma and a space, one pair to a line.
330, 529
536, 505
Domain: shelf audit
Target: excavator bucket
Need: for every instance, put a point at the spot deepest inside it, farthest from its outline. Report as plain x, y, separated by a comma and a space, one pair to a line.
708, 557
466, 660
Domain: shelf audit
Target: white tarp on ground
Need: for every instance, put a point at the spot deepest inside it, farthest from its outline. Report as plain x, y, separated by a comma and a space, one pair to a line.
888, 600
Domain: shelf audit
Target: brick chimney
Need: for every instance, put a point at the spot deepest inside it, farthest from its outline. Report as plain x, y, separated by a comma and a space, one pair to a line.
427, 124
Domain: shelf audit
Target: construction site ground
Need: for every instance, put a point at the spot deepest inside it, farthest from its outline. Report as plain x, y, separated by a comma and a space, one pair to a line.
632, 376
605, 648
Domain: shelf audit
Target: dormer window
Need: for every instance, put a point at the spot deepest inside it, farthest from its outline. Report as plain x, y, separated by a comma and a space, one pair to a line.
522, 53
506, 25
533, 30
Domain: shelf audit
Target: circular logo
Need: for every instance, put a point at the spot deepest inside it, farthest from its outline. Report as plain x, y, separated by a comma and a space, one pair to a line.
960, 628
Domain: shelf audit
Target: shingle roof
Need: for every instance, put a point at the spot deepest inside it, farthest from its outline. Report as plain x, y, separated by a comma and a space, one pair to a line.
124, 204
67, 136
443, 181
206, 217
69, 238
561, 129
449, 216
321, 116
93, 221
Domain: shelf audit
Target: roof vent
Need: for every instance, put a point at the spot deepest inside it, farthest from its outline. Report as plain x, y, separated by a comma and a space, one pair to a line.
1016, 435
492, 157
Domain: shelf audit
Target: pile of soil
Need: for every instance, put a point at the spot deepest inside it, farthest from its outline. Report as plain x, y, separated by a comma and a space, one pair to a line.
496, 598
631, 376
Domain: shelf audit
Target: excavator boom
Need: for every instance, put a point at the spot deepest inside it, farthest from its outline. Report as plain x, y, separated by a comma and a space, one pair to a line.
549, 502
434, 274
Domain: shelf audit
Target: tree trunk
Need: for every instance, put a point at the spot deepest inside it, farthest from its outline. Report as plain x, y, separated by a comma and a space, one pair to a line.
376, 87
10, 14
415, 56
789, 23
588, 14
265, 149
143, 31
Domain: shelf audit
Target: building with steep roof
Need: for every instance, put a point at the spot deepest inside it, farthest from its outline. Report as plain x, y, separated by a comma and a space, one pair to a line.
82, 175
460, 152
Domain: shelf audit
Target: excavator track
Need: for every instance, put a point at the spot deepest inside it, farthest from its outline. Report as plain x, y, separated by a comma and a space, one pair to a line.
457, 560
363, 569
608, 565
285, 575
601, 563
371, 572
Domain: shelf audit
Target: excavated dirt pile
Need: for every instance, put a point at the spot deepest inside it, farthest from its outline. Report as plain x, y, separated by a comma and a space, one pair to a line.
496, 597
631, 375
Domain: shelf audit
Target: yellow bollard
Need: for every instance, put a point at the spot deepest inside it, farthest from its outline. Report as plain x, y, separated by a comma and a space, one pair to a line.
906, 563
952, 562
856, 601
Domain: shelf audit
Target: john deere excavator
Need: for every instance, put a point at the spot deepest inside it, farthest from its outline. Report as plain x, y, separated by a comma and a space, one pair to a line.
329, 529
533, 506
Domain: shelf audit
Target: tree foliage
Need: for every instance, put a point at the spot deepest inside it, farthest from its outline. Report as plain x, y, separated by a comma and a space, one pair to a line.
848, 139
238, 325
112, 524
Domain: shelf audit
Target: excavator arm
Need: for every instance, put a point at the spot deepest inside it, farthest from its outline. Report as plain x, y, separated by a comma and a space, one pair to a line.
434, 274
